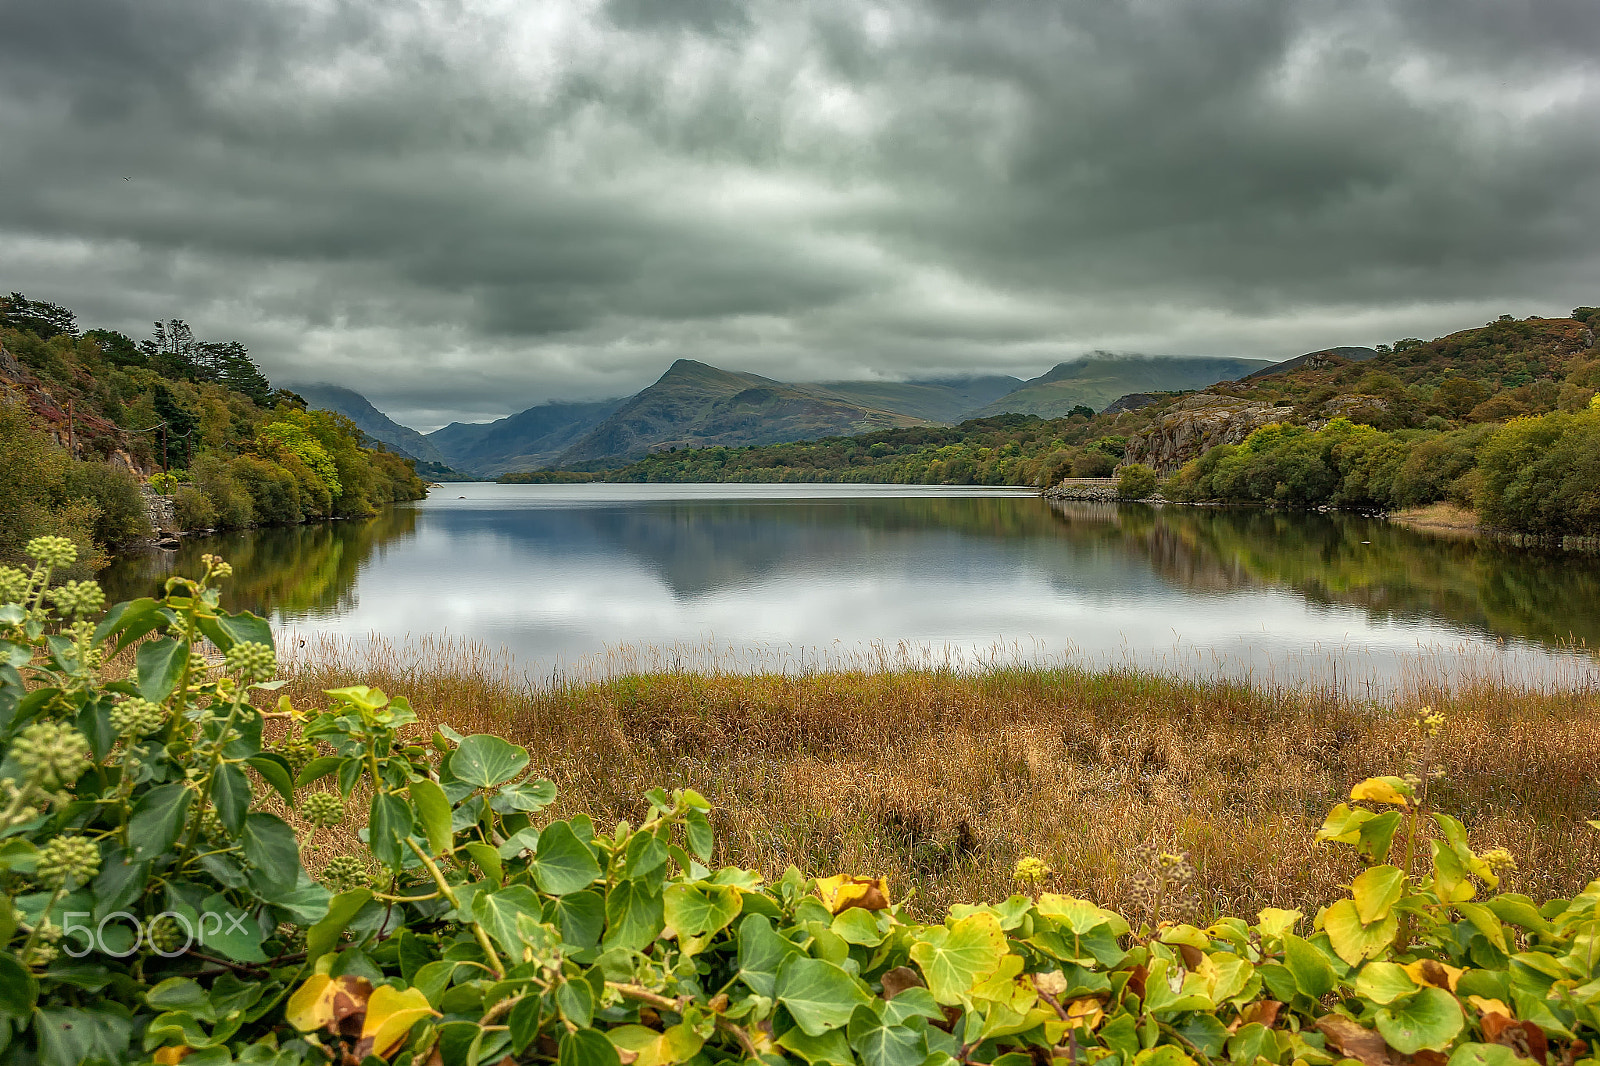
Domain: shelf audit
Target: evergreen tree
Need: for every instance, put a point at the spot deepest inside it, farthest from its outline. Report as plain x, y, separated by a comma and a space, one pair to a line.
44, 320
236, 370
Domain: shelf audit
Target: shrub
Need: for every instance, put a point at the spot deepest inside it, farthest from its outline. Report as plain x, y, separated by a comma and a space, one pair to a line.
194, 509
274, 493
120, 517
1136, 482
160, 909
1541, 476
215, 479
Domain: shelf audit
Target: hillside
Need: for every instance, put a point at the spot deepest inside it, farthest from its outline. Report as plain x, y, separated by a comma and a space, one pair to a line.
939, 400
1096, 380
402, 440
695, 405
105, 440
526, 440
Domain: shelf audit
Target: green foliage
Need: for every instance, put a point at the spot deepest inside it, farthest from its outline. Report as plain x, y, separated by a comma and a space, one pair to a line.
1003, 450
492, 932
1541, 476
1136, 481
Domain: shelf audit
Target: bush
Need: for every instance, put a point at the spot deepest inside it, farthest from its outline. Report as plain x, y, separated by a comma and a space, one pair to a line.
121, 517
1541, 476
274, 493
1136, 482
194, 509
160, 908
228, 498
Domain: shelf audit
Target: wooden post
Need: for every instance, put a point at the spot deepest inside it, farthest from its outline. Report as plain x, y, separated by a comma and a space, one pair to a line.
72, 431
163, 462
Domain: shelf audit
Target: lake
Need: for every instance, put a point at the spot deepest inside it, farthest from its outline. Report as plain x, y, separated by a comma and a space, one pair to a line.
614, 577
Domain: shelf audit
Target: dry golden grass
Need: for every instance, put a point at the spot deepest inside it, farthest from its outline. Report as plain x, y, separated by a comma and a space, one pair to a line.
942, 779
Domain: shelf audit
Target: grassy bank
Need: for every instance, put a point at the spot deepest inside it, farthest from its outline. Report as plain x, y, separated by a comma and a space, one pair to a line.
942, 780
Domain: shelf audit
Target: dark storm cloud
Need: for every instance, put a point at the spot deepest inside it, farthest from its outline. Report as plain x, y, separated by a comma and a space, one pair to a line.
461, 208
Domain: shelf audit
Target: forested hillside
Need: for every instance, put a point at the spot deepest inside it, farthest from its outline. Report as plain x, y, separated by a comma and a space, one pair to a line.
1499, 419
87, 418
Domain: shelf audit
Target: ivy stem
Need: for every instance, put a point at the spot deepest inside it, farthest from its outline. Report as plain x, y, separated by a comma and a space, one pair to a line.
656, 999
211, 772
44, 916
449, 894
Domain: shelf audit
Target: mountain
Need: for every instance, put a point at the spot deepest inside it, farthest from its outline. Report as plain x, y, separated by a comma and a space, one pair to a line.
695, 405
935, 400
526, 440
1314, 360
403, 440
1096, 380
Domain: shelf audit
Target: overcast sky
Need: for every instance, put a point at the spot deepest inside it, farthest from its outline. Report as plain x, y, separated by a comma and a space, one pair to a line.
462, 208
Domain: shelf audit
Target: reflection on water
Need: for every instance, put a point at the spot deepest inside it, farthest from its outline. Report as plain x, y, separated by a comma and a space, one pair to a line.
562, 572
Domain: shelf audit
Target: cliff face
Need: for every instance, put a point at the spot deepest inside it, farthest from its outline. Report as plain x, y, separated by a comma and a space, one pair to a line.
1196, 423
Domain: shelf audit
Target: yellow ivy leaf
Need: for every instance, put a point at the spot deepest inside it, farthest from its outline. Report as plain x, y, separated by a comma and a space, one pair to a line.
1382, 790
678, 1043
1086, 1013
323, 1002
844, 891
1490, 1006
390, 1016
170, 1056
1435, 973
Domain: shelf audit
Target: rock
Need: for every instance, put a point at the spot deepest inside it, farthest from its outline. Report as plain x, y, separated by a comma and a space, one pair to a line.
1131, 402
1197, 423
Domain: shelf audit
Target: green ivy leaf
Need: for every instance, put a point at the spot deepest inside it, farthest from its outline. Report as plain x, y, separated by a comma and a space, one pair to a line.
1376, 891
128, 620
230, 792
157, 819
581, 917
484, 761
575, 999
160, 663
700, 835
879, 1043
525, 796
587, 1047
271, 849
1428, 1020
563, 863
497, 912
19, 989
1351, 939
762, 952
677, 1043
634, 916
324, 935
819, 995
954, 958
318, 768
274, 770
388, 826
699, 909
1384, 982
70, 1037
433, 812
226, 930
1312, 974
1485, 1055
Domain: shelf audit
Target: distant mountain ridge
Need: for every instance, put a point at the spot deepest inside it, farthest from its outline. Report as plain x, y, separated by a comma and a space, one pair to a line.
526, 440
696, 405
403, 440
1096, 380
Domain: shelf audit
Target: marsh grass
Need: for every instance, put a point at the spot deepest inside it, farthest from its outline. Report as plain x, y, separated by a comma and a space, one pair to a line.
943, 778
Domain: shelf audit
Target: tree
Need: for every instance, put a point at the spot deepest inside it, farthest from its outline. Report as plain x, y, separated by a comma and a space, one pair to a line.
1136, 482
180, 424
173, 351
235, 369
44, 320
118, 348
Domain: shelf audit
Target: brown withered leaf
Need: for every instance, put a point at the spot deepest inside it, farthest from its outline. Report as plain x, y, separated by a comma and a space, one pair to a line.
1426, 1057
1192, 956
1136, 981
1524, 1038
1573, 1052
899, 979
1264, 1011
719, 1002
1354, 1041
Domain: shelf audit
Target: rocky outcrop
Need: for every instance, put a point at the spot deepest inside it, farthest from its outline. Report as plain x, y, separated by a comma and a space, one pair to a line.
1196, 423
1102, 489
1132, 401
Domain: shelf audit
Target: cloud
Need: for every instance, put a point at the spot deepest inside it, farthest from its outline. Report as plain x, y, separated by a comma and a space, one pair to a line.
464, 208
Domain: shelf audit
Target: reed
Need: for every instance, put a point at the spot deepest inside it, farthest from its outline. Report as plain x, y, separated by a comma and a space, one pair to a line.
943, 777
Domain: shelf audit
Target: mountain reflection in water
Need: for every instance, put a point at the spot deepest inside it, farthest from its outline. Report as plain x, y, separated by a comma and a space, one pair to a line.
558, 572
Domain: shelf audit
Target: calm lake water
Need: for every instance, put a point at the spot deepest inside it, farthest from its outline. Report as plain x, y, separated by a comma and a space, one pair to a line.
607, 577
